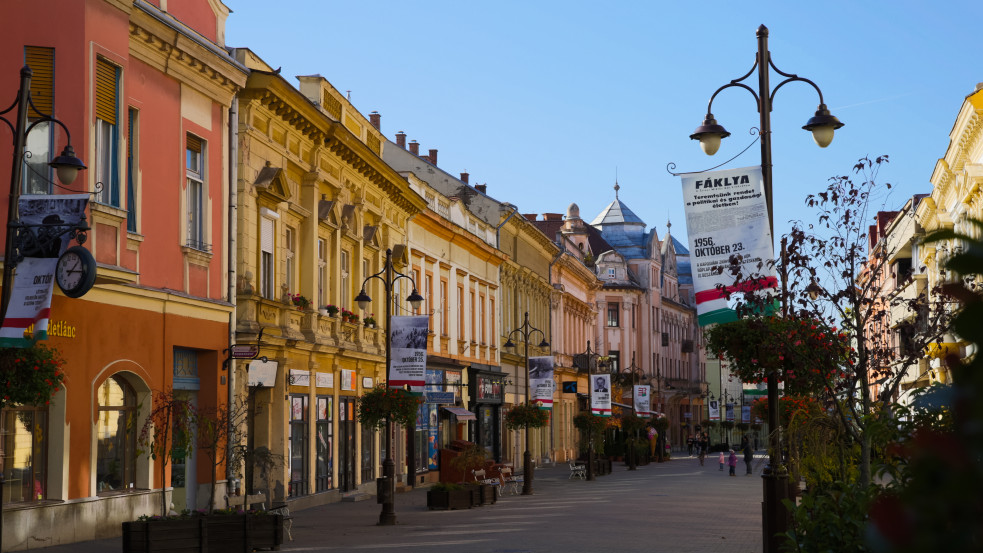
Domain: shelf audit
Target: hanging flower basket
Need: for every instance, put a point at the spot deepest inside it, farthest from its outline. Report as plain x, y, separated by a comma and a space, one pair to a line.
526, 416
29, 376
381, 402
590, 423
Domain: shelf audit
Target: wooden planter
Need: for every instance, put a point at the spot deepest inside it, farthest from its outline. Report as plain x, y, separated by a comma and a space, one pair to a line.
487, 494
204, 534
450, 499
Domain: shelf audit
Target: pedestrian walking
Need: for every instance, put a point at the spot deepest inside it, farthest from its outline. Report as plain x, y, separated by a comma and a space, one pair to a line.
722, 460
689, 445
748, 453
732, 461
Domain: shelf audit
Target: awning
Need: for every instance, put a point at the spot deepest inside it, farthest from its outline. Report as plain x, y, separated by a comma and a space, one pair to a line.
461, 413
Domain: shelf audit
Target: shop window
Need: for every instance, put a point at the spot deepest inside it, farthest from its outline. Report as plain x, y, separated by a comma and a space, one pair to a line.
325, 443
25, 449
116, 436
298, 446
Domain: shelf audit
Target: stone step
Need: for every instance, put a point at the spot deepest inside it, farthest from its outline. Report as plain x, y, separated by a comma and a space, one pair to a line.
357, 496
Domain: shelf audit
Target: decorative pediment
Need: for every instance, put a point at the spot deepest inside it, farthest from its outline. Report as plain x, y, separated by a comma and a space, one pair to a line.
401, 256
271, 181
324, 208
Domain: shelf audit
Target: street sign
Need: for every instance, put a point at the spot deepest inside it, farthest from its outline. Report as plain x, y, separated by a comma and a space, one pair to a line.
245, 351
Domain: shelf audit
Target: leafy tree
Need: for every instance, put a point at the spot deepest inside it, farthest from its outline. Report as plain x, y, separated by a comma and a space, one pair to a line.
167, 434
215, 427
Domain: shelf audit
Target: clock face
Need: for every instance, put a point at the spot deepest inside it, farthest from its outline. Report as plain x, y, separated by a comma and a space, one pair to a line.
75, 272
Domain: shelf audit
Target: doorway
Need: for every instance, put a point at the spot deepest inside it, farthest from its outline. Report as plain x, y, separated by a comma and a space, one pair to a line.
346, 443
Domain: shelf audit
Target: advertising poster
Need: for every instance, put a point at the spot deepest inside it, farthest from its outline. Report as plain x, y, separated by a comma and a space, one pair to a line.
713, 408
408, 341
600, 394
643, 401
541, 381
730, 412
726, 220
746, 413
34, 276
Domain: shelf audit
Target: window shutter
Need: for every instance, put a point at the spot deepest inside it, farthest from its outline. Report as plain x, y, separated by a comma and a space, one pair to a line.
42, 62
106, 83
266, 235
194, 143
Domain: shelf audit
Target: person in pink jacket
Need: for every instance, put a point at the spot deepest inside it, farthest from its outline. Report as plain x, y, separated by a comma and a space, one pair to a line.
732, 461
722, 460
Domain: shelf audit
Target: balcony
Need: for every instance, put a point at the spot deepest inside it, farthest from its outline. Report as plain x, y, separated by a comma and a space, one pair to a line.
309, 326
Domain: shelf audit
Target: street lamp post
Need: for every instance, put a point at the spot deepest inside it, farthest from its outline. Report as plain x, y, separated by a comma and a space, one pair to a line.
388, 276
525, 331
822, 125
591, 358
633, 370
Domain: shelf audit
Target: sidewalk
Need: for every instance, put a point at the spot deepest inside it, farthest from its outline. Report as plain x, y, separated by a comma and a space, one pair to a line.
674, 506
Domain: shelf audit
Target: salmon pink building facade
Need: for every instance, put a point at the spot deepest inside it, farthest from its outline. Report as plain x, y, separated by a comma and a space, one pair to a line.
145, 89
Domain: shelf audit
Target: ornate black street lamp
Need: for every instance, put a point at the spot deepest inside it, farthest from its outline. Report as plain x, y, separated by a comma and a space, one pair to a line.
633, 371
388, 275
822, 125
588, 361
524, 332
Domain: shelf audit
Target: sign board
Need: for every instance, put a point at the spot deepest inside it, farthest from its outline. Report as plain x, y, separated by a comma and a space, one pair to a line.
442, 398
245, 351
570, 387
262, 374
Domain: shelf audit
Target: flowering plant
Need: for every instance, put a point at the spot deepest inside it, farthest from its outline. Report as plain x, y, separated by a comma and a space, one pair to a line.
590, 422
30, 375
370, 320
331, 309
525, 415
348, 316
659, 422
790, 408
381, 402
302, 302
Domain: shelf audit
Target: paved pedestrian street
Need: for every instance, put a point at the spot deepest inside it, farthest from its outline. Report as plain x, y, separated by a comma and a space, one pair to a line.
677, 506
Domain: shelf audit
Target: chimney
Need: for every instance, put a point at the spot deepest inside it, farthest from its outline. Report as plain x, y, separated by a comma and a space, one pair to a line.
376, 120
464, 178
433, 156
530, 216
401, 139
483, 188
414, 147
552, 216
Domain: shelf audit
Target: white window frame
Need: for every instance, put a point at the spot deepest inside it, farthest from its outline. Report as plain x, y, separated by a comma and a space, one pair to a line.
195, 174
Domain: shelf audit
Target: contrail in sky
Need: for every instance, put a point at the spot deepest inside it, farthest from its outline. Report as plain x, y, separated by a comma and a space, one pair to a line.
885, 99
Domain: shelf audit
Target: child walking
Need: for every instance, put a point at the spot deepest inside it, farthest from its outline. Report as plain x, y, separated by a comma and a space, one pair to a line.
732, 461
721, 460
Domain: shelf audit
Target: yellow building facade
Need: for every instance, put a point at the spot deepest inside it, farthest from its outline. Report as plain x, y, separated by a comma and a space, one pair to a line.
316, 210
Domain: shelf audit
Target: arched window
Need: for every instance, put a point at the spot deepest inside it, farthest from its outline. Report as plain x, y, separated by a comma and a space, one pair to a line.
116, 433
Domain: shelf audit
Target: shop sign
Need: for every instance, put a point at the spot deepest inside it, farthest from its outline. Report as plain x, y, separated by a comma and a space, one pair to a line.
441, 398
262, 374
489, 388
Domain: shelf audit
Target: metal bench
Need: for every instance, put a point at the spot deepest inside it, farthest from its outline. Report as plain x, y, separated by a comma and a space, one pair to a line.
577, 471
510, 483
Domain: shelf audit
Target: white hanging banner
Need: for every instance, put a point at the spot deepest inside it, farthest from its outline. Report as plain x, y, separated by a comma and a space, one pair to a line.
745, 413
541, 381
714, 410
34, 277
408, 344
730, 412
643, 400
600, 394
727, 219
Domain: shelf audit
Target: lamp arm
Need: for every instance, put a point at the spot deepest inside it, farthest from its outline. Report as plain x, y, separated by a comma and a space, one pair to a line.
793, 78
757, 100
398, 275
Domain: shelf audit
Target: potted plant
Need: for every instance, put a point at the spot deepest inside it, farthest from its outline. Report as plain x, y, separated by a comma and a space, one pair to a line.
444, 495
191, 532
526, 416
348, 316
30, 375
301, 302
370, 320
381, 402
331, 310
474, 458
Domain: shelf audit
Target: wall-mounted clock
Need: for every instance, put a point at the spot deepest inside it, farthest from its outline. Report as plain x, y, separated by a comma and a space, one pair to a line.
75, 272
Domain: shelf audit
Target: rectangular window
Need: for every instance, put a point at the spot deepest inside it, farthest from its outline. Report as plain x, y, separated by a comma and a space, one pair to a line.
460, 313
491, 310
290, 262
325, 443
266, 280
36, 172
614, 361
444, 315
107, 139
298, 446
611, 272
345, 281
416, 284
481, 319
613, 314
428, 295
25, 450
322, 272
194, 163
131, 170
471, 304
633, 317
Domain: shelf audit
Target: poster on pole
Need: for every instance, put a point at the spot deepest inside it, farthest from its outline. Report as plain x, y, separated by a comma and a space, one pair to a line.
600, 395
541, 381
727, 220
730, 412
643, 401
408, 344
713, 410
51, 216
745, 413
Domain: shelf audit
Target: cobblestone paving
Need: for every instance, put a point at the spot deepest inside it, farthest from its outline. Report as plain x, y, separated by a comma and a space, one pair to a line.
677, 506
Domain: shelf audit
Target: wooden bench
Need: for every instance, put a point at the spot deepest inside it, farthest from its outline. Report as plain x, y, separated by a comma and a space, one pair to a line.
509, 482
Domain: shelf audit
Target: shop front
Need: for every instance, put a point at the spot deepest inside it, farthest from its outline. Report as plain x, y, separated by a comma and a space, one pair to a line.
487, 389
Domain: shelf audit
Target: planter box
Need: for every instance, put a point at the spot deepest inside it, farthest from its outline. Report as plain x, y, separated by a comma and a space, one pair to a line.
486, 494
451, 499
203, 534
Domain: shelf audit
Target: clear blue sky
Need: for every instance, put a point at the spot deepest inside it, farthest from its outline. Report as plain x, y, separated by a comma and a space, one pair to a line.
545, 101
